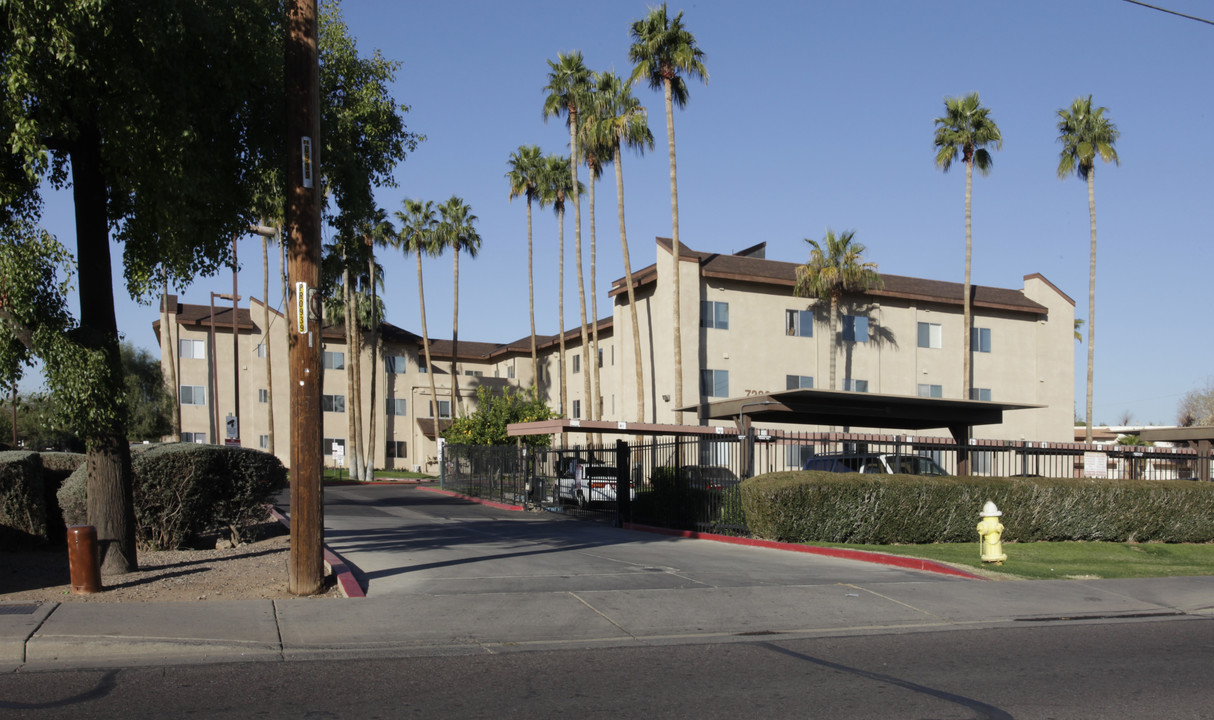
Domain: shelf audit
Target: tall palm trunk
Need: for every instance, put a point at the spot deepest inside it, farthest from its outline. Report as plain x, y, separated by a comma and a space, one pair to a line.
966, 312
596, 411
674, 219
1087, 435
560, 299
834, 337
632, 301
421, 299
166, 327
353, 419
535, 362
265, 323
577, 244
455, 338
369, 470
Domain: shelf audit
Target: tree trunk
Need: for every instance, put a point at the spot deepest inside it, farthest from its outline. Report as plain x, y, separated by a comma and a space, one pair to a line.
369, 471
560, 300
632, 301
535, 362
834, 337
421, 299
265, 323
1087, 435
352, 447
581, 297
674, 221
166, 328
966, 312
455, 336
596, 412
109, 488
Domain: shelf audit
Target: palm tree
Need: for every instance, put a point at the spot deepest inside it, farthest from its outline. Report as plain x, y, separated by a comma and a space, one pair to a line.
621, 121
965, 131
1086, 134
568, 90
526, 165
376, 231
456, 231
555, 188
663, 51
836, 266
595, 151
418, 226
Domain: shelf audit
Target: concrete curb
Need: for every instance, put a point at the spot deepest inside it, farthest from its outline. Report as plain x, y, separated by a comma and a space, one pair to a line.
347, 584
908, 563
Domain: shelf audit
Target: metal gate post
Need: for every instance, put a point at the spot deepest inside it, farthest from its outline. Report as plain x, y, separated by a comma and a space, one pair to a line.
623, 485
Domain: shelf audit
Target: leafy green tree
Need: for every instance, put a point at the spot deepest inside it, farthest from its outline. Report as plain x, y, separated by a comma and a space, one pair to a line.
457, 231
487, 424
149, 402
663, 51
569, 87
621, 122
1086, 134
419, 236
526, 166
836, 266
964, 132
157, 111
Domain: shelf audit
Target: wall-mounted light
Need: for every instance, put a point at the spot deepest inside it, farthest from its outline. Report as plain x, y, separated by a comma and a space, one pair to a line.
666, 398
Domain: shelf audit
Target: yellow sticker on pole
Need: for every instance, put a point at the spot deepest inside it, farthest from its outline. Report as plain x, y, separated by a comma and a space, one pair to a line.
301, 308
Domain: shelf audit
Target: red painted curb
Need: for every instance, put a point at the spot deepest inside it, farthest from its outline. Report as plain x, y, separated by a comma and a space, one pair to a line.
901, 561
335, 563
479, 501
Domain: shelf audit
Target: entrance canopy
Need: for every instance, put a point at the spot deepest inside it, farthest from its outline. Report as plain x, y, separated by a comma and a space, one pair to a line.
1199, 438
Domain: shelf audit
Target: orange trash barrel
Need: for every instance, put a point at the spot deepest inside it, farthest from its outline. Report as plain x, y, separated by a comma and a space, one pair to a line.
83, 560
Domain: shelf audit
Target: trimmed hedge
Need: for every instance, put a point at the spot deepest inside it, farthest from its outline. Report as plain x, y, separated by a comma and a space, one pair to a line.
22, 503
183, 490
807, 506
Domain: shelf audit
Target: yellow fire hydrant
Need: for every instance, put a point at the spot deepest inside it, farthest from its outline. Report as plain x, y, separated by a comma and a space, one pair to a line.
990, 531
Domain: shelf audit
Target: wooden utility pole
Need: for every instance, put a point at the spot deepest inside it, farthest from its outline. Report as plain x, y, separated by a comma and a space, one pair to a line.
302, 70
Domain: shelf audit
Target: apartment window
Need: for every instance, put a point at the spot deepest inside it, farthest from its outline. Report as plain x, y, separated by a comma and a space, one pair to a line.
510, 371
931, 335
422, 368
799, 323
577, 409
334, 360
981, 462
263, 442
260, 350
714, 314
931, 391
798, 382
796, 455
330, 443
397, 449
855, 385
193, 395
444, 409
263, 395
474, 373
394, 364
600, 357
577, 363
980, 340
855, 328
194, 437
333, 403
714, 383
983, 394
397, 406
195, 349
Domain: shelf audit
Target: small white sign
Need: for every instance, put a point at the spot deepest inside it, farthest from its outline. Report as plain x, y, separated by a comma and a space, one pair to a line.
1095, 465
621, 425
339, 451
232, 425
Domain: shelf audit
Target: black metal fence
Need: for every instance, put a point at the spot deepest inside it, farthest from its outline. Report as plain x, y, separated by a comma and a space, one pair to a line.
691, 482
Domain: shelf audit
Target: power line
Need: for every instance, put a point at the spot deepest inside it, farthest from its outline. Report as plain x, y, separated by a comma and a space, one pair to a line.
1170, 12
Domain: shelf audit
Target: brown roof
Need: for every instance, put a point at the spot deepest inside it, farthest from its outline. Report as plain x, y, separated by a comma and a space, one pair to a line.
773, 272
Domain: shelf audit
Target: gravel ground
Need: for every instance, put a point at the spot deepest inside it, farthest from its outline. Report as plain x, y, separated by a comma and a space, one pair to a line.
256, 569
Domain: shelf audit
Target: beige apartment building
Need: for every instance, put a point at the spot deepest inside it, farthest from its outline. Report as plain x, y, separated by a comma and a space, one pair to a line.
744, 333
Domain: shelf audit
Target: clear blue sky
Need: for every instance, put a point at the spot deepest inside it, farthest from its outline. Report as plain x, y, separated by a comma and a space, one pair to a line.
820, 115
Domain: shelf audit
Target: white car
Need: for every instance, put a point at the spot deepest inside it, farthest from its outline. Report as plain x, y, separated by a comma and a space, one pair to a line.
585, 483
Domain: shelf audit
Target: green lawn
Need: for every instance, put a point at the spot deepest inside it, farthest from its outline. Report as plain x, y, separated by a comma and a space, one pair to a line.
331, 473
1067, 560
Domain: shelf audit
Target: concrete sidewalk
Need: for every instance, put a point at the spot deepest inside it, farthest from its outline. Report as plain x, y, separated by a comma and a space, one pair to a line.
449, 577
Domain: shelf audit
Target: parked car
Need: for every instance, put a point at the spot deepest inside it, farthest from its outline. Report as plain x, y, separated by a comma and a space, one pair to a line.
709, 477
585, 483
879, 463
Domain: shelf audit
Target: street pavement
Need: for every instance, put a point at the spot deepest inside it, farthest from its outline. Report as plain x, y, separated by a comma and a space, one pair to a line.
446, 576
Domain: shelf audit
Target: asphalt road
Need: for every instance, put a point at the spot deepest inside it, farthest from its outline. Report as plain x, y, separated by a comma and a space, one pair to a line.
1156, 669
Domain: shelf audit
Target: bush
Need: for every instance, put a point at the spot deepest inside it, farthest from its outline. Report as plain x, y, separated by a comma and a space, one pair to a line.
57, 467
673, 501
183, 490
888, 509
22, 504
